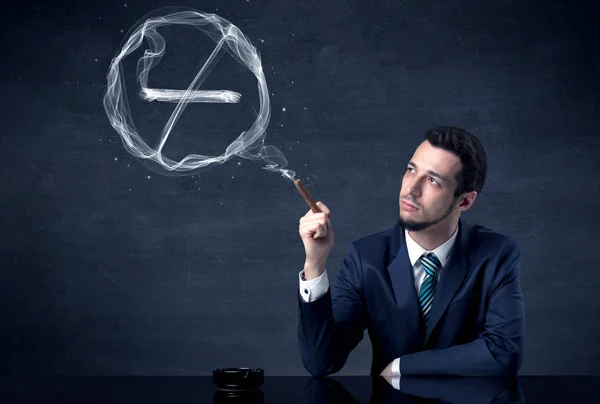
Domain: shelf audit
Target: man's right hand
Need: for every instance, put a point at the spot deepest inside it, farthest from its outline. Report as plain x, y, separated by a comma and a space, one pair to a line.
317, 235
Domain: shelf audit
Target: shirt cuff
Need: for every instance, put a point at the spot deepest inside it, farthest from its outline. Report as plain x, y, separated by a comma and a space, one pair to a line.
396, 367
313, 289
395, 382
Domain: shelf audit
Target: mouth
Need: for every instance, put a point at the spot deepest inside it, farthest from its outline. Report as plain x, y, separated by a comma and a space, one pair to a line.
408, 206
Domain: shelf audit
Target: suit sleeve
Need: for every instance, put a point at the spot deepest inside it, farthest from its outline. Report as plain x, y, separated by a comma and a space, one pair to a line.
330, 327
498, 351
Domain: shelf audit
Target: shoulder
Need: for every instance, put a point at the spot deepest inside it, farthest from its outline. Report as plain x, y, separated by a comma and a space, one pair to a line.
484, 240
374, 245
495, 254
378, 238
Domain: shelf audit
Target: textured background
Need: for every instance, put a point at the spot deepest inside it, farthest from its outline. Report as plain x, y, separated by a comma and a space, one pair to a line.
107, 267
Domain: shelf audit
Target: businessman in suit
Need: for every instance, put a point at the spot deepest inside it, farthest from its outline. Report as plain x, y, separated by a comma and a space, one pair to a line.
437, 295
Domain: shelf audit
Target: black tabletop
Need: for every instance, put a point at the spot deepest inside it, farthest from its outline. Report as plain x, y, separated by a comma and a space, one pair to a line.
342, 389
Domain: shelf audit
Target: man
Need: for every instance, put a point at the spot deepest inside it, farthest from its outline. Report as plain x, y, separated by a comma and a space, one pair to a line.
437, 295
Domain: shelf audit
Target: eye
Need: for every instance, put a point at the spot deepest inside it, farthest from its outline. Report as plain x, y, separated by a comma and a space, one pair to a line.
434, 180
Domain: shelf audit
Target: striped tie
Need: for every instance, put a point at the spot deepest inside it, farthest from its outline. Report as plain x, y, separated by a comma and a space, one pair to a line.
431, 263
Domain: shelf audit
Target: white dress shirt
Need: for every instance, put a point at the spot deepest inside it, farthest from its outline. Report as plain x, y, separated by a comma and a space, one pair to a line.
313, 289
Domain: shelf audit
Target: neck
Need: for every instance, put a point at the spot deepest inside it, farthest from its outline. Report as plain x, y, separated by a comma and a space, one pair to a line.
436, 235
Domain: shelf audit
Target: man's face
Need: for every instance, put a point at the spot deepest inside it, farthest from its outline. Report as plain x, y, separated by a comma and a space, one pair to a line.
429, 184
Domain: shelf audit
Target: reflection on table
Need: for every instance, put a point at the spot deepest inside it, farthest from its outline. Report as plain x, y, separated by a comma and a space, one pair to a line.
419, 390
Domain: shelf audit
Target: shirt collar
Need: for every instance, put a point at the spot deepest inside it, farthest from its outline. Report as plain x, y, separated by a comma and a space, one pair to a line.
442, 252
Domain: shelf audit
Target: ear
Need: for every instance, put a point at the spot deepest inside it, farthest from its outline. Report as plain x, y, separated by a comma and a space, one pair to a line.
468, 199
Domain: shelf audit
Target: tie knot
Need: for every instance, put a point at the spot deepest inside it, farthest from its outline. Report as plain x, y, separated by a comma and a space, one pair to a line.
431, 263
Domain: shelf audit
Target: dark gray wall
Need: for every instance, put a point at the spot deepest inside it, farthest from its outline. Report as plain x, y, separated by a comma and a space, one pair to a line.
107, 271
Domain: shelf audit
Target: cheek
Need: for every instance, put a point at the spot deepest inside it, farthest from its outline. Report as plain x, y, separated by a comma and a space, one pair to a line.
434, 203
442, 203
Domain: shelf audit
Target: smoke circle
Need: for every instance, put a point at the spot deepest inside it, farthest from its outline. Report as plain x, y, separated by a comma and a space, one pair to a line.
249, 144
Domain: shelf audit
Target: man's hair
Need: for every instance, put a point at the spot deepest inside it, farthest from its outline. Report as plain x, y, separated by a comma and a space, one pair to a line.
470, 151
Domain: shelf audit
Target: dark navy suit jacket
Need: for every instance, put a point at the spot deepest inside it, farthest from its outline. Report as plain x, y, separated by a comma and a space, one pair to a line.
476, 324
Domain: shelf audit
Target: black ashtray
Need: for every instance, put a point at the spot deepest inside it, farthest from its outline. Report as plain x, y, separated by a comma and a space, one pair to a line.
238, 380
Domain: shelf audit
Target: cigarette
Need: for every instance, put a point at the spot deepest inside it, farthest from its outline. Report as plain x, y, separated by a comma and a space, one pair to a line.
313, 206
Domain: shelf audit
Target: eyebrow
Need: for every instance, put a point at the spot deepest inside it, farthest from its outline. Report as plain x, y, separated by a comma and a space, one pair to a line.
445, 179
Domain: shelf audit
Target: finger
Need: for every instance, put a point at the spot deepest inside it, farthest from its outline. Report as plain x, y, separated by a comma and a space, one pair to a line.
310, 229
307, 231
314, 217
318, 231
311, 226
324, 229
324, 208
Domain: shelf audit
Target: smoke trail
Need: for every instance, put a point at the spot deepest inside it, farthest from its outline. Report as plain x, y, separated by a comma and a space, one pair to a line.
228, 37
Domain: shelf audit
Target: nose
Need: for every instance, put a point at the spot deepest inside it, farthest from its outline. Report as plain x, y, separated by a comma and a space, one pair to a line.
413, 189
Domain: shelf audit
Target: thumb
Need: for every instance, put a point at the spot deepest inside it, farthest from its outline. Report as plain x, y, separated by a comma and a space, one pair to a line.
324, 208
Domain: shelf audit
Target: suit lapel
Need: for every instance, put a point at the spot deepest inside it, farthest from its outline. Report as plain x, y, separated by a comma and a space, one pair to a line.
403, 283
451, 277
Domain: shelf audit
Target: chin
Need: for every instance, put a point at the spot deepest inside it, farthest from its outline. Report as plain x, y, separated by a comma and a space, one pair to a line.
412, 225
